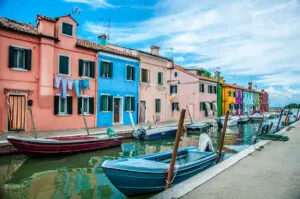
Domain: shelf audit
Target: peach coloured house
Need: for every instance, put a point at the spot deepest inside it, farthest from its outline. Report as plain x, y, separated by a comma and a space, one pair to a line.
188, 90
31, 57
153, 88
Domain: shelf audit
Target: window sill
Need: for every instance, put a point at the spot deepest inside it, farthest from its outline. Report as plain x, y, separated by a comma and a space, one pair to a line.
105, 111
106, 77
63, 115
64, 74
130, 80
129, 111
85, 77
145, 82
67, 35
86, 114
19, 69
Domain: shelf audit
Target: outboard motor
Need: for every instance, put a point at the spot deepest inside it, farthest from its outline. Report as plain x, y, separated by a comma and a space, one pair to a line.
140, 133
219, 122
265, 129
205, 143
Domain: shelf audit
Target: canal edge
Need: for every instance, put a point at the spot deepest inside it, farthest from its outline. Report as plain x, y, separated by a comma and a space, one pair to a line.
192, 183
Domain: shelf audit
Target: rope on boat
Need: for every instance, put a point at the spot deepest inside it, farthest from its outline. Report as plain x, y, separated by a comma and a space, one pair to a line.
274, 137
174, 174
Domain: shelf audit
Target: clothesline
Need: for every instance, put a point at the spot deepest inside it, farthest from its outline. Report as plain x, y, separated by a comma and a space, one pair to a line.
67, 84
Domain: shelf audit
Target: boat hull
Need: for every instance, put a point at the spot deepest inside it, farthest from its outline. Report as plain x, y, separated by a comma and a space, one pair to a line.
158, 133
132, 183
198, 127
243, 120
55, 146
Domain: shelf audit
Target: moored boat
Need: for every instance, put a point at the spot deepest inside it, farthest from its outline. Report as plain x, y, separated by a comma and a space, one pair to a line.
256, 117
199, 126
66, 144
232, 120
243, 120
148, 173
155, 133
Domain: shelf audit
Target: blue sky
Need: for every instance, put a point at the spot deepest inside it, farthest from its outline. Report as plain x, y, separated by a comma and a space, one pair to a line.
250, 40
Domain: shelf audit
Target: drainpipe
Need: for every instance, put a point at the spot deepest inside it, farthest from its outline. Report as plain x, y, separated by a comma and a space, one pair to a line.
219, 95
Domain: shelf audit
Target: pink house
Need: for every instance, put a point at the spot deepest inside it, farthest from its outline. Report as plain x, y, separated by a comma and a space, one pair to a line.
187, 89
31, 57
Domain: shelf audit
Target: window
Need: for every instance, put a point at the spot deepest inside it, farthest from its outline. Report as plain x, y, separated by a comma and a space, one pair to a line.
62, 106
86, 105
201, 89
175, 74
214, 89
67, 29
129, 103
145, 75
130, 73
175, 106
199, 73
19, 58
233, 93
160, 78
157, 105
229, 93
173, 89
106, 69
106, 103
64, 65
86, 68
202, 106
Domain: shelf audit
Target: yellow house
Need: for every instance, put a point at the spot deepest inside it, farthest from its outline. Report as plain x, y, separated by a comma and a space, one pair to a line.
228, 98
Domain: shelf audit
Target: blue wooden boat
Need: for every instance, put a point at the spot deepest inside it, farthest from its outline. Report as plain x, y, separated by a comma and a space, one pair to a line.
148, 173
155, 133
199, 126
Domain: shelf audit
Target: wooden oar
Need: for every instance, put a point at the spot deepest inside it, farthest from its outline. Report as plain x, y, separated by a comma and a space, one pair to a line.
222, 137
187, 108
175, 149
32, 122
85, 123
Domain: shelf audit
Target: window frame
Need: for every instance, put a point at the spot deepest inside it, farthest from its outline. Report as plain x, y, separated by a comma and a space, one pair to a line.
200, 86
148, 75
162, 79
175, 109
24, 49
83, 68
63, 22
132, 73
131, 97
157, 108
171, 90
88, 105
109, 76
107, 108
69, 64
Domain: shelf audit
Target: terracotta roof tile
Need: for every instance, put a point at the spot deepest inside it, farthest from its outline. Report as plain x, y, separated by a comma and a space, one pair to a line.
46, 18
97, 47
18, 26
192, 74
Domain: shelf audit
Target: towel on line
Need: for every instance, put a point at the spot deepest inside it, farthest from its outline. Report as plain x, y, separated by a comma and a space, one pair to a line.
77, 88
70, 84
57, 81
63, 88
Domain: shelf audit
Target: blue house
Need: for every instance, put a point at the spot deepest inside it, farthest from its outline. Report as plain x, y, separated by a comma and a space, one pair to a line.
118, 86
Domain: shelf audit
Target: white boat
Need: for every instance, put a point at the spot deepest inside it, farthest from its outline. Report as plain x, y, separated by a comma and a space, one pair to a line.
274, 114
267, 115
256, 117
232, 120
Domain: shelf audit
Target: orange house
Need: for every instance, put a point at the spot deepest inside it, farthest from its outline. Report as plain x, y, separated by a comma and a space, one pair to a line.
31, 57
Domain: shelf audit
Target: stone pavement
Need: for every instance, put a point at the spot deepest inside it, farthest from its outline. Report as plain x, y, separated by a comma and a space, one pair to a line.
273, 172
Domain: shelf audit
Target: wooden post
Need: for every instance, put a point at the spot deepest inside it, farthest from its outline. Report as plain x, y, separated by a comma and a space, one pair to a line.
32, 122
187, 108
85, 123
222, 137
297, 114
287, 117
258, 130
279, 120
174, 154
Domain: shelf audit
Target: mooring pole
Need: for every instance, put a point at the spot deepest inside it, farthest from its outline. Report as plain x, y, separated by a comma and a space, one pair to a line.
297, 114
279, 120
32, 123
222, 137
258, 130
85, 123
287, 117
175, 149
187, 108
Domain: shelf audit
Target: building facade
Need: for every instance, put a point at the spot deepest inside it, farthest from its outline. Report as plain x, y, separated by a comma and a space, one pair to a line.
264, 99
239, 101
189, 91
228, 99
118, 87
31, 58
257, 100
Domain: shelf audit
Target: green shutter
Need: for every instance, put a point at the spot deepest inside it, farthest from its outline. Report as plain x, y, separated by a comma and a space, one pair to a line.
127, 103
133, 73
173, 106
159, 78
80, 67
132, 103
128, 73
103, 103
91, 105
110, 74
79, 105
63, 65
11, 62
110, 103
101, 68
175, 74
56, 105
69, 105
92, 71
28, 59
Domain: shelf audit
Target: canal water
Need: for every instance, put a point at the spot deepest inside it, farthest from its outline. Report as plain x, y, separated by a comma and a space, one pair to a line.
80, 175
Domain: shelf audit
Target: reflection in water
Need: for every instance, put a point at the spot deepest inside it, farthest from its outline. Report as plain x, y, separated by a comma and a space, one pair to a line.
81, 176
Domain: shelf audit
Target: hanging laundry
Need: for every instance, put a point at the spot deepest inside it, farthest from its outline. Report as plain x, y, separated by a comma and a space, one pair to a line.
70, 84
81, 86
77, 88
84, 84
63, 88
57, 81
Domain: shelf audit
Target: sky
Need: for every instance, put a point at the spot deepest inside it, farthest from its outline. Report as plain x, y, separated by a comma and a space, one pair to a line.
250, 40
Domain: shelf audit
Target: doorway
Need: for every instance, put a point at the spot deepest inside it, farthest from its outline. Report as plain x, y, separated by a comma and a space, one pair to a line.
142, 115
16, 112
117, 110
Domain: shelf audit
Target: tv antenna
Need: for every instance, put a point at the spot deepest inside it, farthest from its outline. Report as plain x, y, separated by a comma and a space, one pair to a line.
76, 11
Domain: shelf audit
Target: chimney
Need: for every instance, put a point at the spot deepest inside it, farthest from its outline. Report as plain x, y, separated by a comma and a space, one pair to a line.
250, 85
234, 84
154, 50
102, 39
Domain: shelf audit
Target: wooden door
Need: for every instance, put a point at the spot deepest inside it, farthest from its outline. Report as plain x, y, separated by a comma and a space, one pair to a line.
16, 112
116, 110
142, 115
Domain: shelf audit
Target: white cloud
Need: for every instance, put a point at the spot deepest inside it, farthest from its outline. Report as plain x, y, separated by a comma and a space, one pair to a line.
179, 59
93, 3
